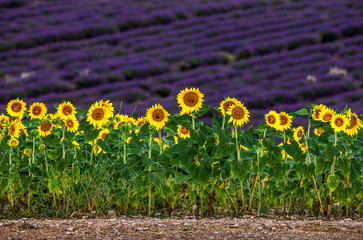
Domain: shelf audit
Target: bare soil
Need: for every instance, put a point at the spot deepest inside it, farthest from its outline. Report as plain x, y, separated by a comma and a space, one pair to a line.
186, 227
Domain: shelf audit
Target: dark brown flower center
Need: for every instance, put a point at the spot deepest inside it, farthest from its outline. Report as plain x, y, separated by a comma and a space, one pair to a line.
190, 99
69, 123
327, 117
238, 113
184, 130
271, 119
67, 110
12, 129
317, 113
283, 120
158, 115
339, 122
227, 105
352, 123
98, 114
45, 126
16, 107
299, 133
37, 110
103, 136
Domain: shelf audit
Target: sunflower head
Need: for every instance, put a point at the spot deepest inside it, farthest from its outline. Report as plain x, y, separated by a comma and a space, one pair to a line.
14, 129
157, 116
227, 103
45, 128
190, 100
316, 111
339, 122
65, 109
27, 152
272, 119
16, 108
298, 133
120, 119
239, 114
319, 131
354, 124
183, 132
285, 121
71, 123
326, 114
98, 115
37, 110
13, 142
103, 133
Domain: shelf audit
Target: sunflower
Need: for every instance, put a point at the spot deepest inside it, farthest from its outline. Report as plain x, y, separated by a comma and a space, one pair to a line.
227, 103
319, 131
13, 142
120, 119
183, 132
326, 114
41, 147
27, 152
140, 121
16, 108
239, 114
285, 121
272, 119
298, 133
303, 147
45, 128
157, 116
354, 124
22, 129
339, 122
108, 105
317, 110
103, 133
190, 100
37, 110
98, 115
71, 123
75, 143
65, 109
14, 129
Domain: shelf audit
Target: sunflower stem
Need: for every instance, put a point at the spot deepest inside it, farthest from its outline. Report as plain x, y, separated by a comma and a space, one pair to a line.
242, 195
332, 170
224, 121
10, 161
237, 145
160, 141
193, 121
63, 146
33, 153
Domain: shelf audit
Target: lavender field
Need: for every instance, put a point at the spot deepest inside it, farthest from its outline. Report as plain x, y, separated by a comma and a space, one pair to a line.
268, 54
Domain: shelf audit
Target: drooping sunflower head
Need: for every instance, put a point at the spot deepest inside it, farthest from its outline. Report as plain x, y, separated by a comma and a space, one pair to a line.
285, 121
45, 128
319, 131
190, 100
14, 129
66, 109
157, 116
227, 103
37, 110
71, 123
120, 119
98, 115
140, 121
298, 133
317, 110
183, 132
16, 108
272, 119
354, 124
13, 142
339, 122
302, 147
103, 133
239, 114
326, 114
27, 152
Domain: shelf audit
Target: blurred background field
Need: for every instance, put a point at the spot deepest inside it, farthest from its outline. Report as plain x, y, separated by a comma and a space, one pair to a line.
268, 54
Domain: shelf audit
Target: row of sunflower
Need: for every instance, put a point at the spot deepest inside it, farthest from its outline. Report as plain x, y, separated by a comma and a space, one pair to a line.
95, 159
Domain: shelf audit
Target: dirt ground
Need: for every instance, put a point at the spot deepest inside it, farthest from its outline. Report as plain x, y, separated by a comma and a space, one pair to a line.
187, 227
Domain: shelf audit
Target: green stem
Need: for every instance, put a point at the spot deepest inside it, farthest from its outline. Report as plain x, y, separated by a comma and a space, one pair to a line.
149, 201
332, 170
33, 153
237, 145
161, 143
124, 155
63, 146
10, 161
321, 211
230, 198
224, 121
193, 121
242, 195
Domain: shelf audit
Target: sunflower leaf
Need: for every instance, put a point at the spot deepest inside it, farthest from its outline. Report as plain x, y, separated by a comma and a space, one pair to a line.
203, 110
333, 181
225, 147
302, 112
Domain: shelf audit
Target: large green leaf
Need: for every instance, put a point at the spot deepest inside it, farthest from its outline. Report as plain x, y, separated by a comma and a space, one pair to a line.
302, 112
344, 165
240, 168
246, 139
225, 147
201, 173
333, 181
203, 110
320, 165
187, 150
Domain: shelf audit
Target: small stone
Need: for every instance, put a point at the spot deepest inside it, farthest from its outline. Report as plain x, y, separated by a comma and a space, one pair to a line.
141, 229
348, 219
69, 233
273, 228
260, 227
70, 229
85, 217
291, 227
234, 226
